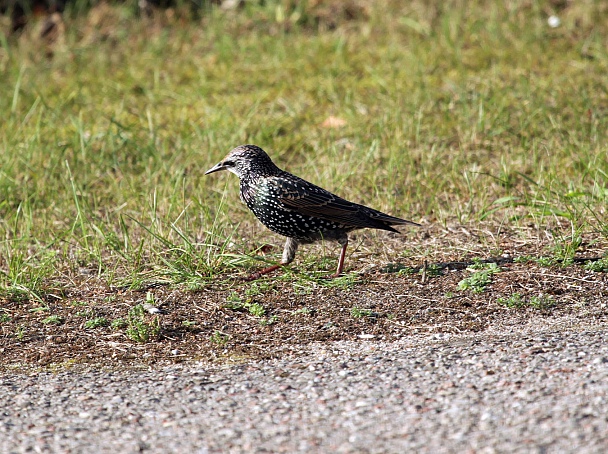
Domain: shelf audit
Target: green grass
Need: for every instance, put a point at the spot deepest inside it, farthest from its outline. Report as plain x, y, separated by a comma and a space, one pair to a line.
430, 270
480, 278
140, 327
219, 338
236, 303
472, 114
97, 322
52, 320
268, 321
21, 332
118, 324
518, 301
599, 266
357, 312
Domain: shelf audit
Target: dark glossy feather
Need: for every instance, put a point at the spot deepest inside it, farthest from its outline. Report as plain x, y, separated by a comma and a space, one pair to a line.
311, 200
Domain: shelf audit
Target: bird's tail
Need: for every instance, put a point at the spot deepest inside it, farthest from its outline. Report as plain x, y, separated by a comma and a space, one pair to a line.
389, 220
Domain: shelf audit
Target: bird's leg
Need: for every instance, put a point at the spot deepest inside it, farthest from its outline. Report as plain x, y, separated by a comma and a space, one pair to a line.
258, 274
344, 243
289, 253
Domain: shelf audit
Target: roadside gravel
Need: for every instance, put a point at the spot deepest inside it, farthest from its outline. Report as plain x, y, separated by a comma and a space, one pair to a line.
529, 391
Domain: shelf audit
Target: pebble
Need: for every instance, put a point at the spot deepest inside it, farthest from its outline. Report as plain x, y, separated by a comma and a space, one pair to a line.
456, 393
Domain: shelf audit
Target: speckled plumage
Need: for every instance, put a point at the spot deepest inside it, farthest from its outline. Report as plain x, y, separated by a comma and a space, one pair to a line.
295, 208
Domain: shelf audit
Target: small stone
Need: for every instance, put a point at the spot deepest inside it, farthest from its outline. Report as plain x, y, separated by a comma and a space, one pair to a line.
554, 21
151, 309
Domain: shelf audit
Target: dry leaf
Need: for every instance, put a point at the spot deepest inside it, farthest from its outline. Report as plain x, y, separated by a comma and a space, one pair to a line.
333, 122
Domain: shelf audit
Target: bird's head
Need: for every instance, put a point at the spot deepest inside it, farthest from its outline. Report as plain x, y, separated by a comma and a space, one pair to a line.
246, 161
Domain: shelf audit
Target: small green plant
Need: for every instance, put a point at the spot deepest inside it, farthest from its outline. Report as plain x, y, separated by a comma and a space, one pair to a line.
4, 317
481, 277
299, 289
256, 309
599, 266
431, 270
97, 322
398, 268
53, 320
150, 298
14, 295
342, 282
267, 321
478, 265
118, 323
139, 329
562, 253
358, 312
546, 261
137, 283
235, 303
20, 333
541, 302
88, 313
406, 271
219, 338
79, 303
195, 285
257, 288
303, 311
515, 300
565, 249
188, 323
477, 282
518, 301
523, 259
39, 309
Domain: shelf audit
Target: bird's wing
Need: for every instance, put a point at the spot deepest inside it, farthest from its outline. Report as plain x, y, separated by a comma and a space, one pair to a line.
308, 199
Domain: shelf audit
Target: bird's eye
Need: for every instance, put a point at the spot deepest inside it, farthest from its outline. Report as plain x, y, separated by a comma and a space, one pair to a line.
228, 163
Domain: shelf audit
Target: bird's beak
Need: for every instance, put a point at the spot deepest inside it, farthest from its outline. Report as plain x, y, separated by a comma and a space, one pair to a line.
216, 168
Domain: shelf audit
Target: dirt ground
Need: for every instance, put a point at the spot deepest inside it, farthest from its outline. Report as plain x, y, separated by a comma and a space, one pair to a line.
376, 302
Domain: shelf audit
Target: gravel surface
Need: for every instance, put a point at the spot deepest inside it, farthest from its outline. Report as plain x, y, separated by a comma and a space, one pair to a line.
543, 391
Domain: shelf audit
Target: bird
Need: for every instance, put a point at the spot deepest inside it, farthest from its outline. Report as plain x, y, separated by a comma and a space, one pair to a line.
297, 209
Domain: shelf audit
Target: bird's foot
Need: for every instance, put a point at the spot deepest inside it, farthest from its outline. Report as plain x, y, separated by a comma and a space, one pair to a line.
259, 274
332, 276
252, 277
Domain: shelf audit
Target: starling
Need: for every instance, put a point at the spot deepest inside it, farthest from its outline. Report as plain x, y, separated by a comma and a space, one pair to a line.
295, 208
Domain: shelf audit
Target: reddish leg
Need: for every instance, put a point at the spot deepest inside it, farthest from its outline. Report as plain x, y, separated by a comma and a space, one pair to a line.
340, 260
258, 274
289, 252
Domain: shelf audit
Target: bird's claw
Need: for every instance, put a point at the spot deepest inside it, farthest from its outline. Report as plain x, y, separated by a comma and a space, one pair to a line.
252, 277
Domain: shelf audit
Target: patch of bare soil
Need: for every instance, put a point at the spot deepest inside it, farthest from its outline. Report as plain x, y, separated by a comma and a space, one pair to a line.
219, 324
